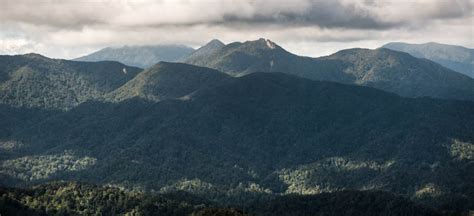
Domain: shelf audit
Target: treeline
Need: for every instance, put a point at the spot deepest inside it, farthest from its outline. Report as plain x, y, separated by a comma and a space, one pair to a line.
71, 198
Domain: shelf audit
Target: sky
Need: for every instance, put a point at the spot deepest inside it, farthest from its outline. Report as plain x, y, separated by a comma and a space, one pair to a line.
72, 28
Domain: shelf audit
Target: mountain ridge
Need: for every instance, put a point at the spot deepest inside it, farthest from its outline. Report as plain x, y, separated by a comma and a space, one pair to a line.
402, 74
454, 57
263, 132
34, 80
167, 80
140, 56
207, 50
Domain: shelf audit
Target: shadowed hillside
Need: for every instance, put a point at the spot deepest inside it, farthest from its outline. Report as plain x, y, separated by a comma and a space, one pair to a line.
381, 68
264, 133
33, 80
168, 80
457, 58
139, 56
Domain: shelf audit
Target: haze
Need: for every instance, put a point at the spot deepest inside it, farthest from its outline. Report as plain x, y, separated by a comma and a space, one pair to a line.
69, 29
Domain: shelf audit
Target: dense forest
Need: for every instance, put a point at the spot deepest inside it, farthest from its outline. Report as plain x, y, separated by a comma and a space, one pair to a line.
114, 107
232, 141
384, 69
71, 198
35, 81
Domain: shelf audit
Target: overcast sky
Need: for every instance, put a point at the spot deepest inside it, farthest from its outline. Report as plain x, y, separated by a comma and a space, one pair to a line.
71, 28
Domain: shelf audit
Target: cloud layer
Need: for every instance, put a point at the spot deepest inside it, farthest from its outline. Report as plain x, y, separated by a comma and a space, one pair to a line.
72, 27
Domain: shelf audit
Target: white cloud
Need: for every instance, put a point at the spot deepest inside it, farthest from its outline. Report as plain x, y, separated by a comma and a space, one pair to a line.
19, 46
70, 28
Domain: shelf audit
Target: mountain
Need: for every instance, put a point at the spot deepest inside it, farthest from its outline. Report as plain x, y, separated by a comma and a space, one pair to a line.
256, 135
456, 58
61, 198
33, 80
263, 55
139, 56
381, 68
168, 80
203, 52
404, 74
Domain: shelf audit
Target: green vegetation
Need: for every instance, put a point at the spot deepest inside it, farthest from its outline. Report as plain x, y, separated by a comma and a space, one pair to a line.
383, 69
264, 133
61, 198
340, 203
219, 212
232, 140
333, 174
165, 80
139, 56
33, 80
199, 57
456, 58
462, 150
264, 56
82, 199
32, 168
404, 74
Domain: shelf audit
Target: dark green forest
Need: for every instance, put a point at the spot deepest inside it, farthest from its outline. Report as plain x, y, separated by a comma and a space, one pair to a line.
187, 140
384, 69
61, 198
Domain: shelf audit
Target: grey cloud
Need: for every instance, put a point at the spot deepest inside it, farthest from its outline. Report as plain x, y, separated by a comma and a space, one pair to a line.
348, 14
57, 14
451, 9
68, 28
325, 14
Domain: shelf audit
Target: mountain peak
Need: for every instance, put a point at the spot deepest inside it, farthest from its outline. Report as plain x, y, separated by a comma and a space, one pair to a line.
215, 42
35, 56
205, 51
454, 57
265, 43
270, 44
142, 56
168, 80
354, 52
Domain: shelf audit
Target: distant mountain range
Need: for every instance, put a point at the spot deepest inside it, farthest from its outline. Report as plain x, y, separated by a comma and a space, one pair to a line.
33, 80
384, 69
457, 58
167, 80
253, 129
201, 55
140, 56
237, 138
